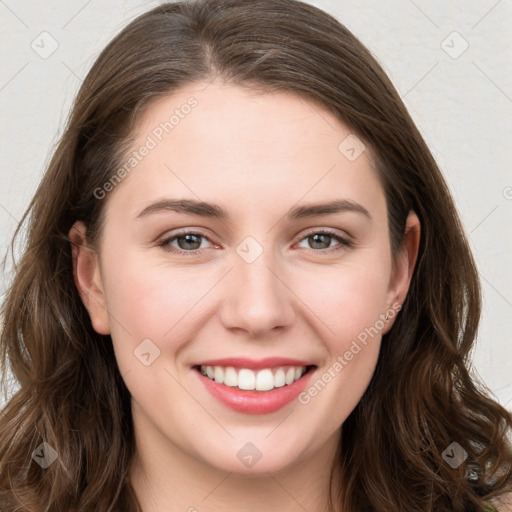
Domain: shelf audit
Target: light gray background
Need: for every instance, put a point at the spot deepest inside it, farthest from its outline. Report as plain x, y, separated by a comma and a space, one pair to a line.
460, 100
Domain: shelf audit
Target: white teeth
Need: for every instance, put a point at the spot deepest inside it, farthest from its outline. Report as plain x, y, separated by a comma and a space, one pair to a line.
230, 377
290, 376
265, 380
246, 379
218, 374
279, 379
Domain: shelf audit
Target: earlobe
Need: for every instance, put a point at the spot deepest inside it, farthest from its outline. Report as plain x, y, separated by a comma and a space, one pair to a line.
87, 277
404, 264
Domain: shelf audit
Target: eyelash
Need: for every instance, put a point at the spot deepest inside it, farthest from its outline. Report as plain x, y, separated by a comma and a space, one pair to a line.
344, 243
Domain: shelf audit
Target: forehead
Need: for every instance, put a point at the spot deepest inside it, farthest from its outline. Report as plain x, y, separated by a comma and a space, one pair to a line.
234, 120
244, 149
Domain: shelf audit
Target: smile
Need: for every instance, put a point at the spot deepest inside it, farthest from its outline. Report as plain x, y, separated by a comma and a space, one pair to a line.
254, 387
246, 379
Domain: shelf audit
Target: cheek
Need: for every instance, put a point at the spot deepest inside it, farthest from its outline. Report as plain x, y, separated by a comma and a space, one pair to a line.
353, 307
356, 313
148, 303
347, 298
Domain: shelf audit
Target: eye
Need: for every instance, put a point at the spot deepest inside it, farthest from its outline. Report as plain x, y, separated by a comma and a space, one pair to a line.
321, 240
189, 242
186, 240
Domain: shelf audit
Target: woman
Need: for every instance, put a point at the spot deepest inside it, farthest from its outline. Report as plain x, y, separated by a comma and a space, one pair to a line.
257, 369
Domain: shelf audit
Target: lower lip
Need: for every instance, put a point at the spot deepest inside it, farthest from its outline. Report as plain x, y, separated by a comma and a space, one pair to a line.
255, 402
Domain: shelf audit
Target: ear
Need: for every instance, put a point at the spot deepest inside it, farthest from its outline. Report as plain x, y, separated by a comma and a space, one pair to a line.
403, 267
87, 276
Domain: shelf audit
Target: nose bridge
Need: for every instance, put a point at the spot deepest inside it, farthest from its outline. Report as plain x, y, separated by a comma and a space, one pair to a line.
258, 299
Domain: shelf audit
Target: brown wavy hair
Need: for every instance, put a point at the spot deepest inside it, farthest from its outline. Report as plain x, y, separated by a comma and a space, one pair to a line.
422, 396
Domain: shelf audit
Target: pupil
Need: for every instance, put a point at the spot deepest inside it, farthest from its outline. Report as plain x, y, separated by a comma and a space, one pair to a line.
187, 241
315, 239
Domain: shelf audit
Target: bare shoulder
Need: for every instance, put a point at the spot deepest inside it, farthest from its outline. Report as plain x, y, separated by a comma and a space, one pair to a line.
503, 503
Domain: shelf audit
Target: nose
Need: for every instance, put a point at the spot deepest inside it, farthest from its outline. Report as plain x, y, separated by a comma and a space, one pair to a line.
257, 299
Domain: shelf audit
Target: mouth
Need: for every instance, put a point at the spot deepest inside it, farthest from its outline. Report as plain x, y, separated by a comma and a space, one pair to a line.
254, 387
247, 379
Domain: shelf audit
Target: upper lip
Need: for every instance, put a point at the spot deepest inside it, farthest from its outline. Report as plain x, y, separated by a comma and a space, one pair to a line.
255, 364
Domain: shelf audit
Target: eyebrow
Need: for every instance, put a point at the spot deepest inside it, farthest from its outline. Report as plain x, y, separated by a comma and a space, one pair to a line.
204, 209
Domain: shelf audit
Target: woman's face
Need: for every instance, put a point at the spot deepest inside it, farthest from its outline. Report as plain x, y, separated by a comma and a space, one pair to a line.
270, 290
